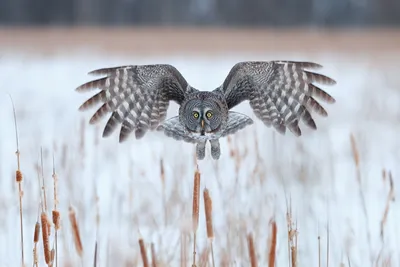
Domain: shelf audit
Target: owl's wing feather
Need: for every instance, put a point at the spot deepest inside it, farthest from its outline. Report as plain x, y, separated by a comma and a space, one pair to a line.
236, 122
173, 128
137, 96
280, 92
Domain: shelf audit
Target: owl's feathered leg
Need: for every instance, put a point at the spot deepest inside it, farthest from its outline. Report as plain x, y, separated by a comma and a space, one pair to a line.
215, 149
201, 150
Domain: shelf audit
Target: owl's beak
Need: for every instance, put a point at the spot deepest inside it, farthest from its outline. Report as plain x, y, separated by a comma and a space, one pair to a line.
202, 127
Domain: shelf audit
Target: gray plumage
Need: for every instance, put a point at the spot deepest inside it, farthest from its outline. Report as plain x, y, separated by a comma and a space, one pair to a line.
281, 93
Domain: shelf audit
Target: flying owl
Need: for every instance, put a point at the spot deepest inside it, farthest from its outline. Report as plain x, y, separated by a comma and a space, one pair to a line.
280, 93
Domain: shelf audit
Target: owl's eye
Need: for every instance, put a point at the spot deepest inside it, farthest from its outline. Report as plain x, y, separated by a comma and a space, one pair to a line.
196, 114
209, 114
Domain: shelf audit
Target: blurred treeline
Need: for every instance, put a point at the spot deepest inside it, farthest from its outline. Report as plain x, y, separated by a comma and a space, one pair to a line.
201, 12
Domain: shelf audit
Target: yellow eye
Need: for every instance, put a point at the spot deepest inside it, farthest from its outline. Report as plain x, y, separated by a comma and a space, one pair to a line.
195, 114
209, 114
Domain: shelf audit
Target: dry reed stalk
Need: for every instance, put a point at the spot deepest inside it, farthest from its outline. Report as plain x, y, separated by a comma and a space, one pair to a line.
75, 231
327, 245
183, 243
289, 227
43, 183
204, 258
95, 255
195, 211
55, 213
45, 238
143, 253
209, 222
154, 261
19, 179
390, 198
356, 158
252, 251
292, 236
272, 245
224, 259
319, 251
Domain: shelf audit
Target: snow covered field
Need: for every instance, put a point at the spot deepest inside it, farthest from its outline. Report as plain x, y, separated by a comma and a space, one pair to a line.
317, 171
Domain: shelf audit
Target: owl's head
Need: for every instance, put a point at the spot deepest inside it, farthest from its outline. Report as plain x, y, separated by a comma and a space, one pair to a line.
203, 113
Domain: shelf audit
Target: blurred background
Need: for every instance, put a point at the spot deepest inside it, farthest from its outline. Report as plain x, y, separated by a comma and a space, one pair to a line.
47, 47
231, 13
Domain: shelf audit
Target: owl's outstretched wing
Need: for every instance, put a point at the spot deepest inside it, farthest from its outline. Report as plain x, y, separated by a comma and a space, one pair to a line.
137, 96
280, 92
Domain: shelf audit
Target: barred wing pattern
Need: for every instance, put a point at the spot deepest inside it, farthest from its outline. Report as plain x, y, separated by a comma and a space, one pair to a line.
280, 92
137, 97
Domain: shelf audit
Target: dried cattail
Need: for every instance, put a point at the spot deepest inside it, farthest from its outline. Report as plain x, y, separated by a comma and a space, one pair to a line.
56, 219
143, 253
195, 211
252, 252
75, 231
208, 212
196, 198
18, 176
272, 245
45, 237
37, 233
48, 227
35, 241
294, 256
153, 256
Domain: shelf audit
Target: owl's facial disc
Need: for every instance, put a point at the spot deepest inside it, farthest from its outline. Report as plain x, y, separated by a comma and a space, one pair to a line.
202, 117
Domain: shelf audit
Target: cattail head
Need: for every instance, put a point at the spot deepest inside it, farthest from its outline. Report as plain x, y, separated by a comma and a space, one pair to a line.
143, 253
208, 212
18, 176
37, 233
252, 251
45, 235
196, 197
75, 231
56, 219
272, 244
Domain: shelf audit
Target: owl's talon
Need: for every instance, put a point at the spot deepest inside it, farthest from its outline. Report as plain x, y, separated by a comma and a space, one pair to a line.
215, 149
201, 150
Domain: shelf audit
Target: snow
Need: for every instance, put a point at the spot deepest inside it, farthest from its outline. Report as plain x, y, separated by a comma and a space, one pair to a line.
317, 171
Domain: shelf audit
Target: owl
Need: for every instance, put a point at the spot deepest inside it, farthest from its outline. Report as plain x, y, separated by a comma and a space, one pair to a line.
280, 93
